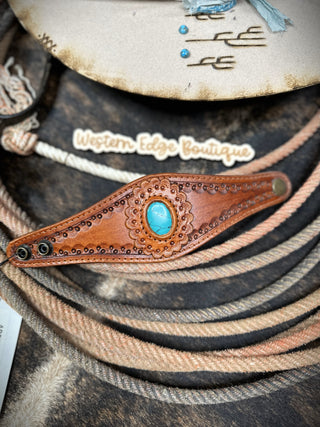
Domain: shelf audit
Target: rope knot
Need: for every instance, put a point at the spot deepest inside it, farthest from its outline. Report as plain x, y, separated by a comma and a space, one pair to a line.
16, 94
19, 141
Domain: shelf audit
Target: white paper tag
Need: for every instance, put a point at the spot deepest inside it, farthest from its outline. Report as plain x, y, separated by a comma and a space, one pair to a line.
10, 323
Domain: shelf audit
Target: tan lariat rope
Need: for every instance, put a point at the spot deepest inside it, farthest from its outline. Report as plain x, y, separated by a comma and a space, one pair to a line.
144, 388
109, 345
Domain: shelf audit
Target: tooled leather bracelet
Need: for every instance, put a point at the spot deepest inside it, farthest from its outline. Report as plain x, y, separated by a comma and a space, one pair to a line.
155, 218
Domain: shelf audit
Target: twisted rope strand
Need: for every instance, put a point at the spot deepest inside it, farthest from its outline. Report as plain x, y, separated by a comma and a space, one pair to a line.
208, 363
142, 355
235, 268
84, 165
7, 201
144, 388
12, 222
231, 327
119, 312
100, 353
297, 336
223, 310
281, 152
172, 360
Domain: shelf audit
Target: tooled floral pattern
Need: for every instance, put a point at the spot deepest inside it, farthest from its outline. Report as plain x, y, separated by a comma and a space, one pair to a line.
161, 189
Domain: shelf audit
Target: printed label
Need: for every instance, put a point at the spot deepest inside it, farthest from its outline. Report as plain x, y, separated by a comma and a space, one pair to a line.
10, 323
161, 148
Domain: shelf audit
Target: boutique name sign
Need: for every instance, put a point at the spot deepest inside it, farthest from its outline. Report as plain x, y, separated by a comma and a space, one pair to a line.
161, 148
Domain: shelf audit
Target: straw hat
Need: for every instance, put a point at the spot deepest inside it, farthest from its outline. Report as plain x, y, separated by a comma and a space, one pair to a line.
157, 48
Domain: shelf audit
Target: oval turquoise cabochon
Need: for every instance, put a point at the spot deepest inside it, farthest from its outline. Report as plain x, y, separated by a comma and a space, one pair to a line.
159, 218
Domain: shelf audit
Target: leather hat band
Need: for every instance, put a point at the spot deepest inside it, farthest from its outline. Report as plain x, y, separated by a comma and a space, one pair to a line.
155, 218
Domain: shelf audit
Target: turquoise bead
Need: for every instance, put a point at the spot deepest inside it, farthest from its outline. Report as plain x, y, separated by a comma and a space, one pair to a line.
185, 53
183, 29
159, 218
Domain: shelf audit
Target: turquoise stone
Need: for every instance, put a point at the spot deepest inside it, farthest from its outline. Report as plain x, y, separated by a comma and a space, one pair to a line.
183, 29
159, 218
185, 53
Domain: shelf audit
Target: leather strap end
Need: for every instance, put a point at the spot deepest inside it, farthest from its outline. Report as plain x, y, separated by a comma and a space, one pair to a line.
155, 218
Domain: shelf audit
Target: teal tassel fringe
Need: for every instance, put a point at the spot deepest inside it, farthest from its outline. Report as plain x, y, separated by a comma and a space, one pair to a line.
208, 6
275, 19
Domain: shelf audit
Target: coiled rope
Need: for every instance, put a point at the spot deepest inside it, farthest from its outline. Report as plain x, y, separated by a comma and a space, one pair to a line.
119, 312
107, 344
144, 388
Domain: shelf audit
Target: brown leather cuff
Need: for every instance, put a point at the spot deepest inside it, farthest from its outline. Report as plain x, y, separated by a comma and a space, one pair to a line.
155, 218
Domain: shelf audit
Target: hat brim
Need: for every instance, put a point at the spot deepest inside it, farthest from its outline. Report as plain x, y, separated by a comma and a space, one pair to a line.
136, 45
